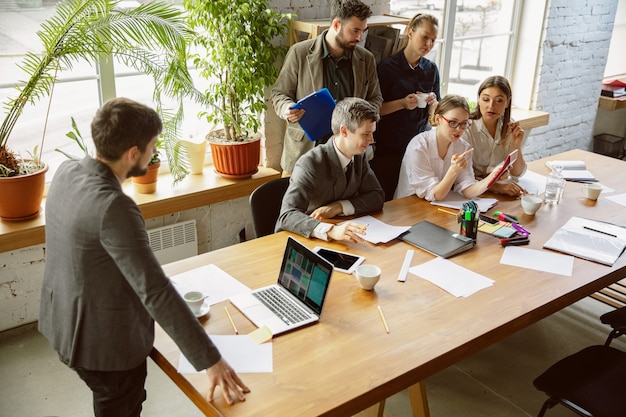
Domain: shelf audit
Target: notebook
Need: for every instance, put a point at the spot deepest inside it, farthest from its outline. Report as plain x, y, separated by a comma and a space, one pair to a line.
297, 297
319, 108
437, 240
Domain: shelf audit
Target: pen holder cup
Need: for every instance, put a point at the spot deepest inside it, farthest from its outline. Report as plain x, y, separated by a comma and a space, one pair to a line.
469, 228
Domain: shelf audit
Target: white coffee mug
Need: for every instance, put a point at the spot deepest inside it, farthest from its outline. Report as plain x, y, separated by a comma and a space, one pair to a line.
531, 203
195, 301
592, 190
421, 99
367, 276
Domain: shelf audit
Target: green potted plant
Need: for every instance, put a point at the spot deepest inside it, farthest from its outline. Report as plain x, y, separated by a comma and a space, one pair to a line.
239, 47
151, 38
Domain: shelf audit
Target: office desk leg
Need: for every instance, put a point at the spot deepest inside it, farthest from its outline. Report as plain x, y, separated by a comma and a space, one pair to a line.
419, 401
376, 410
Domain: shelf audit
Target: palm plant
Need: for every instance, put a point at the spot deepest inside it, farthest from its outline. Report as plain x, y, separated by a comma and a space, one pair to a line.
151, 38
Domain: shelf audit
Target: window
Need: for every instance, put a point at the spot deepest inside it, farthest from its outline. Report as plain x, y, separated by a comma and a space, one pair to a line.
480, 33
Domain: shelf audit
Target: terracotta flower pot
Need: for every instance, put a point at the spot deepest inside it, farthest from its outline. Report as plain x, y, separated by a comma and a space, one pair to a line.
147, 184
20, 196
236, 160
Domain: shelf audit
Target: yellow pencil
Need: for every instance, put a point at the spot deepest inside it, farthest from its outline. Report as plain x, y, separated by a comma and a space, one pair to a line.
447, 211
382, 318
232, 323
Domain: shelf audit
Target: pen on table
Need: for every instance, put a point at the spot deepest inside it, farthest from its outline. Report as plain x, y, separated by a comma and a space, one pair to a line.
382, 318
516, 243
514, 239
447, 211
232, 323
599, 231
520, 229
505, 217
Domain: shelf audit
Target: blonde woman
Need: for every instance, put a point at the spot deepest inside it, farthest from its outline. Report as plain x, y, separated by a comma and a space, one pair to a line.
403, 76
439, 161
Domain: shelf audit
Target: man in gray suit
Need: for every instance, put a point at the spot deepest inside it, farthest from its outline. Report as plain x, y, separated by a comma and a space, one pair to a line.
102, 286
335, 179
332, 60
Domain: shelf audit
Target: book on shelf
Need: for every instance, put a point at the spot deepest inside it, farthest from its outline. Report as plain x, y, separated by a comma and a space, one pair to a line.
593, 240
613, 92
573, 170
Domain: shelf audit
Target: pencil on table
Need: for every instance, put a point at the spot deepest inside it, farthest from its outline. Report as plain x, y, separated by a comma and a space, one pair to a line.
382, 318
447, 211
232, 323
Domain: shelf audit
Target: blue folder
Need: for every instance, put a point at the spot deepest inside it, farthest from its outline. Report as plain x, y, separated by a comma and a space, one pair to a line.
319, 108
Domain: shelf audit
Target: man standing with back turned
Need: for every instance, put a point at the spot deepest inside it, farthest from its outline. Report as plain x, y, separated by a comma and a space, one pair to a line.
103, 287
332, 60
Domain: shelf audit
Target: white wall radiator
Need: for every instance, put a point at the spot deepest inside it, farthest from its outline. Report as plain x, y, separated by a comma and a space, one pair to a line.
175, 242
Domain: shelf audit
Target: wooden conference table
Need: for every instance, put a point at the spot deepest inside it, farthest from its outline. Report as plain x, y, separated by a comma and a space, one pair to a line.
347, 362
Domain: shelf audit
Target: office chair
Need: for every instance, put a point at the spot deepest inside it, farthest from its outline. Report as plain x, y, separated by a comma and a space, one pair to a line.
265, 202
617, 320
591, 381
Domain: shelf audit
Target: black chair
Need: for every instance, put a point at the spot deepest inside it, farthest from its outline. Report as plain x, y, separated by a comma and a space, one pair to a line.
590, 382
617, 320
265, 202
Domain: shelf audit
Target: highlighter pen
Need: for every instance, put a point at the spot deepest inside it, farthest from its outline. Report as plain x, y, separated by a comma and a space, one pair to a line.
514, 239
505, 217
516, 243
520, 229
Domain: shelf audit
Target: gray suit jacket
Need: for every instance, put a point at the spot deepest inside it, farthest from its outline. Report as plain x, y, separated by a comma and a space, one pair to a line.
318, 179
302, 74
102, 285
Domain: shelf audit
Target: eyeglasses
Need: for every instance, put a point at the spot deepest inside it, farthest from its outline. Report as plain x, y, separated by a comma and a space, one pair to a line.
454, 124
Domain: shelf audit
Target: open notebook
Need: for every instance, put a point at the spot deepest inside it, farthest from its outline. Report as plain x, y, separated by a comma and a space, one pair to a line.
297, 297
589, 239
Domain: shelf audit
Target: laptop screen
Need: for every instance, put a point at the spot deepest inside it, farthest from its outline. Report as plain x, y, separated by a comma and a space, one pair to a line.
305, 274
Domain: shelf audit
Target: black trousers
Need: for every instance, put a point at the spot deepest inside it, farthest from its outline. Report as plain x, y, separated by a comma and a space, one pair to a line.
116, 393
386, 166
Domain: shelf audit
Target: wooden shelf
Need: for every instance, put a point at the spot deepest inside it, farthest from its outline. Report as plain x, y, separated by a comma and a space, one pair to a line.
608, 103
314, 27
529, 119
193, 192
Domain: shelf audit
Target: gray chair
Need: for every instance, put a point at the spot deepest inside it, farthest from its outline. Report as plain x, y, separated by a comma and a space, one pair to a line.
265, 202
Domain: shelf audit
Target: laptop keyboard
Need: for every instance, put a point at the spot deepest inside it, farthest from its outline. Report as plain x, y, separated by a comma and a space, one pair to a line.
273, 299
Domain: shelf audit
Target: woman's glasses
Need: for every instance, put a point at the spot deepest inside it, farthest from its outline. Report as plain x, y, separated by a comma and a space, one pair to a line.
456, 125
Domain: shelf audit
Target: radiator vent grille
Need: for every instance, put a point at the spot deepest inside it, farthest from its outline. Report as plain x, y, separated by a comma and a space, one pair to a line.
175, 242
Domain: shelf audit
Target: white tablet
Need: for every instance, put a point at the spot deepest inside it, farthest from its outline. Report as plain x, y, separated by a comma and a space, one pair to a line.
342, 261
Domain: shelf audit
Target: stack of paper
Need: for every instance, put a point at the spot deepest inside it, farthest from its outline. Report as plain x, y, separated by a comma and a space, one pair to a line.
593, 240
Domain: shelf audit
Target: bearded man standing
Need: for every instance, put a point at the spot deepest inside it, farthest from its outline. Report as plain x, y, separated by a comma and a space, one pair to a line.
332, 60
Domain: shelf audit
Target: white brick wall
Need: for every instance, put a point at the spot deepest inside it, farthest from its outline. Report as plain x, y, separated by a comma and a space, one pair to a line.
573, 57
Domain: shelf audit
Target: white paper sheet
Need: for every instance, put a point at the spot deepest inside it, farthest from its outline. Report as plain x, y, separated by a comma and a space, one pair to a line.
377, 231
240, 351
619, 199
533, 181
538, 260
455, 201
210, 280
458, 281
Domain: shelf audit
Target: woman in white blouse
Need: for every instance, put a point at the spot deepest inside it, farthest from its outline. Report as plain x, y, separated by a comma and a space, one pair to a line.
438, 161
493, 135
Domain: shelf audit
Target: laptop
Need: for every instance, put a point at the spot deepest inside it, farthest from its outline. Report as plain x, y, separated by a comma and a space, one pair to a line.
296, 299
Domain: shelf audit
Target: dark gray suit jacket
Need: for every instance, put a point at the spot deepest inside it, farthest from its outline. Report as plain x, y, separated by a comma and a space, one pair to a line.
318, 179
102, 285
